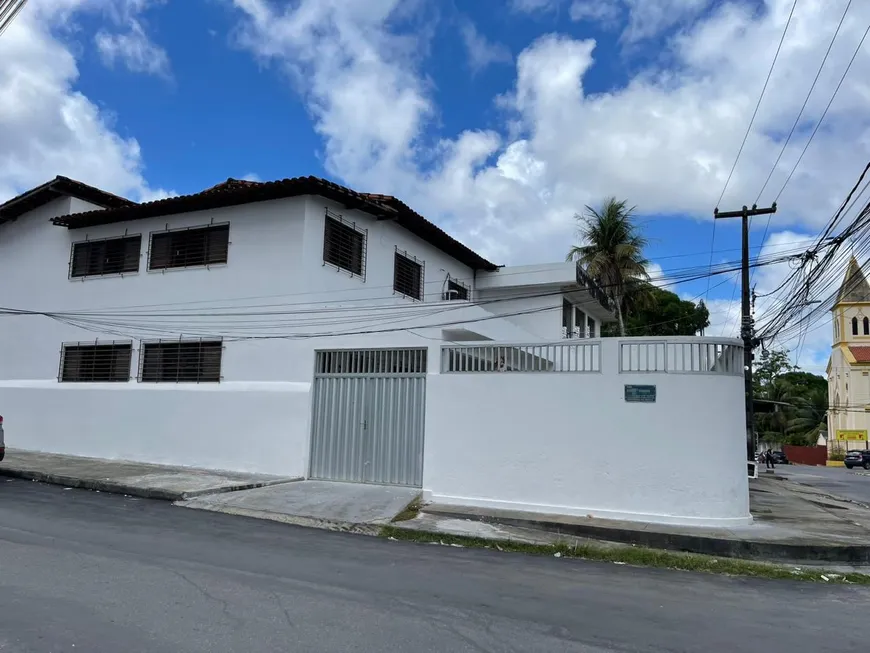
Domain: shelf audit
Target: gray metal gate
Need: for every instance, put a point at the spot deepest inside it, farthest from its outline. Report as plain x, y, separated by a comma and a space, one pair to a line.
368, 416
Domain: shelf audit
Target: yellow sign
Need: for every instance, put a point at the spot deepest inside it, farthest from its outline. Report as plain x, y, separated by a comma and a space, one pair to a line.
852, 436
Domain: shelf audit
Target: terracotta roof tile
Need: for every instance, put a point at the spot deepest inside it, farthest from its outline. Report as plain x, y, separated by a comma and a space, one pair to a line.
234, 192
861, 354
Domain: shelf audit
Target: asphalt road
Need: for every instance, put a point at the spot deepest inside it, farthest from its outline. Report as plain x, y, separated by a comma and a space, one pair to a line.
852, 484
88, 572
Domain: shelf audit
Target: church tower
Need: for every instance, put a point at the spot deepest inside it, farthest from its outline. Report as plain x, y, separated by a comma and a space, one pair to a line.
849, 365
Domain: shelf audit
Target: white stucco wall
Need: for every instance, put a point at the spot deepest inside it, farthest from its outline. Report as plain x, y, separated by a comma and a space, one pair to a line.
252, 427
565, 443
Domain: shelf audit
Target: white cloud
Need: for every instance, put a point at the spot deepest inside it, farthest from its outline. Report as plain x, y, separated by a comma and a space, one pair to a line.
647, 18
640, 19
606, 12
47, 127
481, 51
127, 42
532, 6
665, 140
252, 176
134, 49
657, 276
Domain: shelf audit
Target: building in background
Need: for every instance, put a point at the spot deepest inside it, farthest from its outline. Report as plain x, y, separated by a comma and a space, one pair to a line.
848, 368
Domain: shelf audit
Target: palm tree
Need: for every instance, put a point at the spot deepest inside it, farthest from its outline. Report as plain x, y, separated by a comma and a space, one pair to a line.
613, 252
772, 427
810, 417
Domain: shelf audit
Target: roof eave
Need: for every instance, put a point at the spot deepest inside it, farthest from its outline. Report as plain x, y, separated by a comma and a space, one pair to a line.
56, 188
348, 198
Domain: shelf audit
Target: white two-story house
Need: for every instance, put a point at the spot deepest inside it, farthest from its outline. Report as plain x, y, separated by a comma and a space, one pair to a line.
284, 327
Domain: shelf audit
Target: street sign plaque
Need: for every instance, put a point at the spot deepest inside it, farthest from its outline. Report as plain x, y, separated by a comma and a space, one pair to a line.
641, 394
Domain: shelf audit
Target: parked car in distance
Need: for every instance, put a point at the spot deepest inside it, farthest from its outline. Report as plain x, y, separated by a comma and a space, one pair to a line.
857, 458
779, 458
2, 441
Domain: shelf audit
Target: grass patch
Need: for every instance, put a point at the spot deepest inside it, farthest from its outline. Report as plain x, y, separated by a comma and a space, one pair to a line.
411, 510
638, 556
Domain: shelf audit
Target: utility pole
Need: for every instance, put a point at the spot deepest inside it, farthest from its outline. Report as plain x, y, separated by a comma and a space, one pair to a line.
747, 327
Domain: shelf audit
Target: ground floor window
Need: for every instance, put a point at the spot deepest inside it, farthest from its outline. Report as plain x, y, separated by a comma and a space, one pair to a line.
95, 362
181, 361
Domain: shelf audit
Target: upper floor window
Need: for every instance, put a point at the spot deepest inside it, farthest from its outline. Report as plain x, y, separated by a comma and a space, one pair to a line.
854, 326
408, 275
344, 245
867, 326
95, 362
456, 290
184, 248
181, 361
93, 258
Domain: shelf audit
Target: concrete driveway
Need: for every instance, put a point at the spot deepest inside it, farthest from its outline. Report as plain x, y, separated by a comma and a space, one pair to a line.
321, 504
839, 481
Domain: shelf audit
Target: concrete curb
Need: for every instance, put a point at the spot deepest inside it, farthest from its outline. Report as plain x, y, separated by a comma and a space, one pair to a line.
118, 487
705, 545
293, 520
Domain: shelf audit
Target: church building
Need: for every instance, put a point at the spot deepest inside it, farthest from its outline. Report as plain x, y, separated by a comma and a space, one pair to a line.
849, 366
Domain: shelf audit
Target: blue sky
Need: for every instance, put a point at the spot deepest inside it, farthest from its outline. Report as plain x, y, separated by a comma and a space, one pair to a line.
498, 119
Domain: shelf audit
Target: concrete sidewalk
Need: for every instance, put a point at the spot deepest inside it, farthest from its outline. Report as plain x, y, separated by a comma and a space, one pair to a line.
135, 479
792, 523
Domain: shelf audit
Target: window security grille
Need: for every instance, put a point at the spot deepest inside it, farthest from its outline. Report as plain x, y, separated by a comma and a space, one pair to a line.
408, 276
189, 247
344, 245
93, 258
456, 290
184, 361
82, 362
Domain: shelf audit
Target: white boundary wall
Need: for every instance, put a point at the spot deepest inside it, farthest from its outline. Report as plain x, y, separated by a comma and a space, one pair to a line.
239, 426
568, 443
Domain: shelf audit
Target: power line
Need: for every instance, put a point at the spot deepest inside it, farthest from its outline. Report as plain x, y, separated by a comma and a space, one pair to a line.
9, 11
122, 326
748, 130
800, 113
758, 104
804, 105
824, 113
345, 305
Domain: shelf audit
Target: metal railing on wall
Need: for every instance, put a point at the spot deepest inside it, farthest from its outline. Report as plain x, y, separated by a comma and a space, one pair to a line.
573, 357
690, 356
